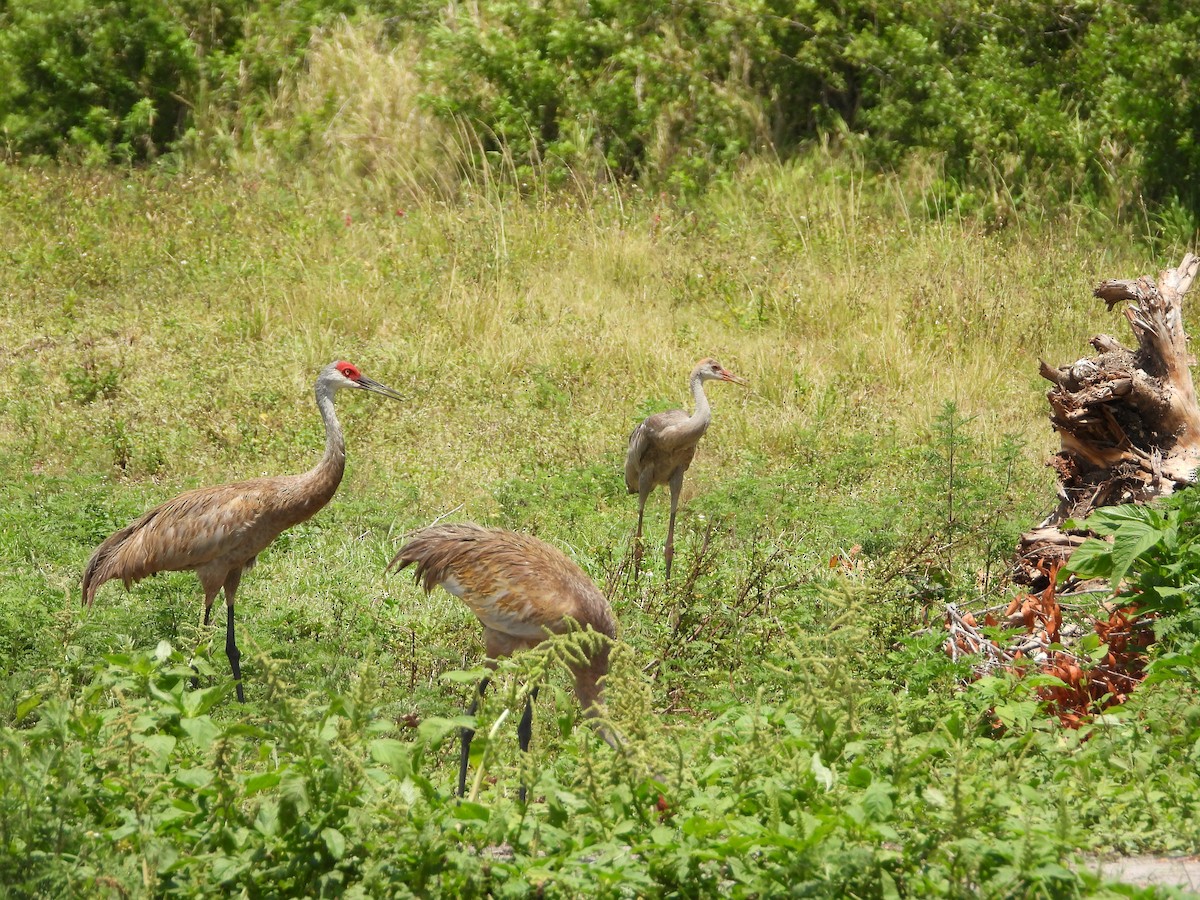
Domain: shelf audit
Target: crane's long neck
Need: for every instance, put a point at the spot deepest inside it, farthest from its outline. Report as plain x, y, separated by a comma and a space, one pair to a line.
321, 481
698, 421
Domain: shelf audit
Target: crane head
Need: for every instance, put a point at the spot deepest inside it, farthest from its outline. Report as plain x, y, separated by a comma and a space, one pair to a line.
711, 370
342, 374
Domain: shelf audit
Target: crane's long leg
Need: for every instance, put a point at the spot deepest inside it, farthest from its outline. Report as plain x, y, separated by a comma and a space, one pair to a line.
467, 735
231, 649
525, 730
644, 488
210, 594
676, 485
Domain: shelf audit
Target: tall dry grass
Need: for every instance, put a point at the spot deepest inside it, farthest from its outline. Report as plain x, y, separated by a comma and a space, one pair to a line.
353, 116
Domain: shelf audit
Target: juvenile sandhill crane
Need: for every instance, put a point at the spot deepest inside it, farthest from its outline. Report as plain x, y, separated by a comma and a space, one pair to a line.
662, 447
521, 589
217, 532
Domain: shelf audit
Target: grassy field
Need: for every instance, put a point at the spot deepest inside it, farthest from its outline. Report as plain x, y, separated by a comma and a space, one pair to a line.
794, 726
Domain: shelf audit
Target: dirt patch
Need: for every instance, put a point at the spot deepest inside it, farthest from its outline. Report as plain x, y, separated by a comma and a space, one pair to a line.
1181, 872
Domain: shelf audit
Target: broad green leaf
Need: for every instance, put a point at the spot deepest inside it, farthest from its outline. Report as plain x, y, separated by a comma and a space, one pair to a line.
877, 801
28, 705
267, 820
227, 868
859, 776
392, 753
1130, 542
261, 782
197, 703
1109, 519
471, 811
159, 745
1044, 679
935, 796
294, 799
466, 676
1091, 559
193, 778
1089, 642
888, 884
173, 698
328, 731
201, 730
163, 651
171, 814
662, 835
434, 729
1018, 714
335, 841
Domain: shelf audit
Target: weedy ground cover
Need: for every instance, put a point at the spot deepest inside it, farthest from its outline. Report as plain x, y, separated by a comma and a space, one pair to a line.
793, 725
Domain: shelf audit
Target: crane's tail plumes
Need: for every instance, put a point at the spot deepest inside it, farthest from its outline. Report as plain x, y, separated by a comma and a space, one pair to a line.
121, 555
103, 565
437, 550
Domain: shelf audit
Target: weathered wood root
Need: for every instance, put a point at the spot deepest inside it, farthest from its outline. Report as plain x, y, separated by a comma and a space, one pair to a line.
1127, 419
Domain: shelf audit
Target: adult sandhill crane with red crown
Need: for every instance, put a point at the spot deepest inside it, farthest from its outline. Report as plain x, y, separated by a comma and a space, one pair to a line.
217, 532
522, 590
662, 447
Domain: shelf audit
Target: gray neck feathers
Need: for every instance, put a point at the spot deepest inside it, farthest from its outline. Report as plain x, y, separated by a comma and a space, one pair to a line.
327, 474
703, 414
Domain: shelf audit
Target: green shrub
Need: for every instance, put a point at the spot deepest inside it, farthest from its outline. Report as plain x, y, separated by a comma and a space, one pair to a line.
98, 78
638, 89
1020, 99
127, 79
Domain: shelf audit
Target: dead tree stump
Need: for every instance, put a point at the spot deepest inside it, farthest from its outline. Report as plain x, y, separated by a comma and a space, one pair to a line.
1127, 418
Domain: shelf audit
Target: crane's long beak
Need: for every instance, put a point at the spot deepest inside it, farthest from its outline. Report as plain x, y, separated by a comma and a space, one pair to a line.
368, 384
726, 375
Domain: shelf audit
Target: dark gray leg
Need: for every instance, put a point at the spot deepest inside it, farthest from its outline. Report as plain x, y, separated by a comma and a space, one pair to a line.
676, 484
467, 735
231, 649
525, 730
235, 655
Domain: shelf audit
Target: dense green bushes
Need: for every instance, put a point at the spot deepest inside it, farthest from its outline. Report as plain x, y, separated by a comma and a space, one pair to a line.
107, 78
129, 79
155, 793
1068, 101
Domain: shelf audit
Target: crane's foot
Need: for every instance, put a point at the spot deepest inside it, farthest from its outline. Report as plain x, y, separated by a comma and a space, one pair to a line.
466, 734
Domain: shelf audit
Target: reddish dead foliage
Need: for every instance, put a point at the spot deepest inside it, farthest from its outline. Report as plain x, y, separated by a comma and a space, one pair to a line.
1087, 687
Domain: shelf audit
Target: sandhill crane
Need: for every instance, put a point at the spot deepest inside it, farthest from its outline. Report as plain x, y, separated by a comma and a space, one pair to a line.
217, 532
521, 589
662, 447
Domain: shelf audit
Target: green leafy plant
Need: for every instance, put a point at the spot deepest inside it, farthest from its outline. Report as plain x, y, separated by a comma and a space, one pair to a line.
1151, 556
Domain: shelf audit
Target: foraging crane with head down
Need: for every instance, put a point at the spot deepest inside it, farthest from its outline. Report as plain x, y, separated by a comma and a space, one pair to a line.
521, 589
217, 532
662, 447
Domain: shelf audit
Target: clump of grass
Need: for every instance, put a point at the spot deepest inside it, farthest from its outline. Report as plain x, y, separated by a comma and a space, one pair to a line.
354, 114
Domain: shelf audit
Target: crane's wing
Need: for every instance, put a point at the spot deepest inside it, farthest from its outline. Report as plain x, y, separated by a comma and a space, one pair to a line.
188, 531
644, 439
